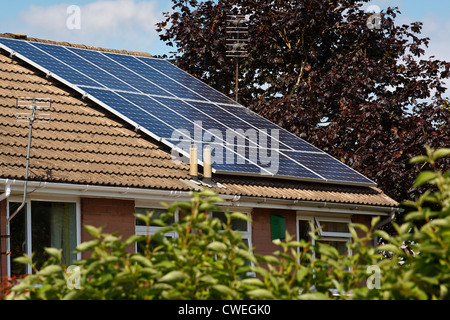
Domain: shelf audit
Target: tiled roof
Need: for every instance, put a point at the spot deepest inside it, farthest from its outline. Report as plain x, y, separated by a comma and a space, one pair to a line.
85, 144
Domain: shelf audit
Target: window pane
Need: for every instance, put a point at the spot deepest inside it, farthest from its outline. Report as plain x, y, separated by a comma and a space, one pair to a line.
157, 213
339, 245
304, 229
328, 226
18, 243
236, 224
53, 224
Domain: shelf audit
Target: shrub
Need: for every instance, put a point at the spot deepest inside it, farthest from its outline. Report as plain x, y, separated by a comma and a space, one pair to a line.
208, 260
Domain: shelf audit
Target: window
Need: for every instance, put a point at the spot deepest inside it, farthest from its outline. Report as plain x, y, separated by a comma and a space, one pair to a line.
238, 225
38, 225
141, 228
333, 231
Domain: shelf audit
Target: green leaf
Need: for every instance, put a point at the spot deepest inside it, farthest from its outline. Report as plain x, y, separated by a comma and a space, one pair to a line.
49, 270
93, 231
441, 153
328, 250
301, 274
56, 253
415, 215
424, 177
217, 246
240, 216
133, 239
260, 294
223, 290
25, 259
174, 276
141, 260
390, 247
145, 218
375, 221
418, 159
253, 282
88, 245
245, 255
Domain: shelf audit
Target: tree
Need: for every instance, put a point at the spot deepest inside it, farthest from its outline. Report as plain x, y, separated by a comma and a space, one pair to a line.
320, 70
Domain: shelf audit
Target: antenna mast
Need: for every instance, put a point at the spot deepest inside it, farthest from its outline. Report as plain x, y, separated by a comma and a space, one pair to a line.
237, 41
34, 104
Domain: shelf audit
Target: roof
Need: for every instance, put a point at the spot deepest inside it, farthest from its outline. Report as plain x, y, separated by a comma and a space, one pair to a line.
85, 144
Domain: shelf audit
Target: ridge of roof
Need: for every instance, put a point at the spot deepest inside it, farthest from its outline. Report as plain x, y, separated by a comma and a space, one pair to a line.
68, 44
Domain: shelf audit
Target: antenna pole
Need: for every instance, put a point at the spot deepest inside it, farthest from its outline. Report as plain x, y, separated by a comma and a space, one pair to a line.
237, 32
237, 79
34, 105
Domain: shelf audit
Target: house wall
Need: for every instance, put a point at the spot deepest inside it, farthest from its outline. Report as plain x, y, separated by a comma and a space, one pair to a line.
261, 228
111, 214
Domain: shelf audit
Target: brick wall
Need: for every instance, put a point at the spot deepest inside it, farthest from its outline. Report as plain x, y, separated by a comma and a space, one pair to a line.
112, 214
261, 228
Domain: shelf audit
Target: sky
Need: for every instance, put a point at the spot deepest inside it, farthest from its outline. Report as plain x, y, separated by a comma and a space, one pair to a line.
130, 24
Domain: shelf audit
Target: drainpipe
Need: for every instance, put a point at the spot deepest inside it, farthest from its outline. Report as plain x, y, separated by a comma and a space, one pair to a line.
382, 223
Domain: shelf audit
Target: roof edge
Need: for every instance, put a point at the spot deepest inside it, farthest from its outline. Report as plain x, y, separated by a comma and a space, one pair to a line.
233, 200
68, 44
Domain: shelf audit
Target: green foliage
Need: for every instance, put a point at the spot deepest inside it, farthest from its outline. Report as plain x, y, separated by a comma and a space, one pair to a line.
208, 260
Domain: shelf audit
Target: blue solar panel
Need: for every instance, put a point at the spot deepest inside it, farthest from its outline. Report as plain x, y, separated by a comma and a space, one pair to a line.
139, 114
327, 167
87, 68
187, 80
178, 109
135, 81
48, 62
171, 87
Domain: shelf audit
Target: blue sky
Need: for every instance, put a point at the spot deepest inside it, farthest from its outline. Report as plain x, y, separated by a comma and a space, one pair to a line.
129, 24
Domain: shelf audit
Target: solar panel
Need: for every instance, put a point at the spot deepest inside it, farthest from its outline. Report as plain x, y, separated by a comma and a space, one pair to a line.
176, 108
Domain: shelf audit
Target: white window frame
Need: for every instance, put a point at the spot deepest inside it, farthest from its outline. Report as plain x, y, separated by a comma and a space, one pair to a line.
332, 234
42, 198
326, 236
248, 211
149, 230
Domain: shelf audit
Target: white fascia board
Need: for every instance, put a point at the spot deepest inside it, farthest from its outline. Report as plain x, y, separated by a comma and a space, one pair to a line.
232, 201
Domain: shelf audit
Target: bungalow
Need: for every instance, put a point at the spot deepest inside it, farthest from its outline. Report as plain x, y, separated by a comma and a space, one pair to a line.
89, 165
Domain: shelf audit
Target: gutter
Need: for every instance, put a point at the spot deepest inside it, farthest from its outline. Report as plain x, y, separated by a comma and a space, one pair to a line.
87, 190
321, 206
94, 191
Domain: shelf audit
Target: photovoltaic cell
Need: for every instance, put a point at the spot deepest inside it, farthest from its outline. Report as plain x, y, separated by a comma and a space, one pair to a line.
179, 109
48, 62
85, 67
187, 80
106, 63
171, 87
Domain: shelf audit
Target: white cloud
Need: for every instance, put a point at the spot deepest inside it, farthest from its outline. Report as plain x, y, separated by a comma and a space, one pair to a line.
126, 23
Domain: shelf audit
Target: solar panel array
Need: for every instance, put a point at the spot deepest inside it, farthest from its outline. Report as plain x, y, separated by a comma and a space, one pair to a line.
176, 108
